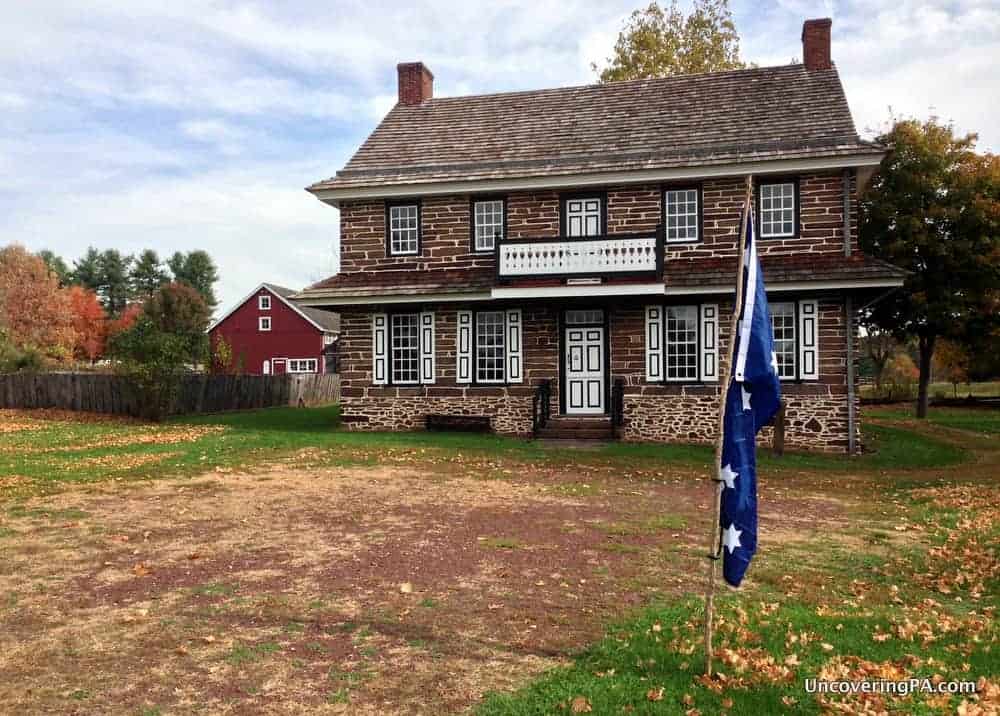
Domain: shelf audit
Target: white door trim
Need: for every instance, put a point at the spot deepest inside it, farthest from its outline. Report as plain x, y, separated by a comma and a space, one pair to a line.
586, 377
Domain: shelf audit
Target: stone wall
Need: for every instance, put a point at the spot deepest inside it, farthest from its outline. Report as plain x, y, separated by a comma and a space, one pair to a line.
445, 239
816, 415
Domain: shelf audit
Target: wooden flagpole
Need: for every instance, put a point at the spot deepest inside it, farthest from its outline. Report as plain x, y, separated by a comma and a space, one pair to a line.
713, 541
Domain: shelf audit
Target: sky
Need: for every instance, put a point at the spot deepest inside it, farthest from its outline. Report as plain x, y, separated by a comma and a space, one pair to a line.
181, 125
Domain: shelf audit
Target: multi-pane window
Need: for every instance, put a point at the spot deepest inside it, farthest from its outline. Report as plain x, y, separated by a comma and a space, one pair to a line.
783, 323
404, 229
302, 365
490, 347
264, 303
487, 223
777, 209
264, 323
682, 214
682, 342
405, 347
585, 317
583, 217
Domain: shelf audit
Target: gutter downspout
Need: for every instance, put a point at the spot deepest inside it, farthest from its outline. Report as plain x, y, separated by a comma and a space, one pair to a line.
847, 212
851, 410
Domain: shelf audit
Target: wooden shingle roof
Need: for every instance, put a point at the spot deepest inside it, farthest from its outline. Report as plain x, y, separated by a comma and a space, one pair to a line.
721, 117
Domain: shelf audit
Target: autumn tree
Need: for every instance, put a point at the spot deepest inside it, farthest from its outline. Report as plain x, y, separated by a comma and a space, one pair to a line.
879, 345
56, 265
34, 310
125, 321
951, 363
147, 274
89, 323
197, 270
934, 209
658, 42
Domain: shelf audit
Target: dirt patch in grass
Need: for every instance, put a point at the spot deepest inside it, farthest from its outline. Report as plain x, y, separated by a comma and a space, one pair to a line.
403, 589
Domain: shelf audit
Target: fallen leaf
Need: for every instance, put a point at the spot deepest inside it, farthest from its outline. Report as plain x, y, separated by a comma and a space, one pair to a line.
581, 705
655, 694
406, 588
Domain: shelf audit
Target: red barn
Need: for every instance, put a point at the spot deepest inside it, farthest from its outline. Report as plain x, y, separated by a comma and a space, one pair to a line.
270, 333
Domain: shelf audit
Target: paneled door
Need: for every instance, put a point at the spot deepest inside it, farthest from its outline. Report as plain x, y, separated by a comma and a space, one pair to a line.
585, 370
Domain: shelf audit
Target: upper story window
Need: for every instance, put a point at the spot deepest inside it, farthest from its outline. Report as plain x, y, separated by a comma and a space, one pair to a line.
404, 229
583, 216
785, 347
777, 210
264, 303
682, 210
264, 323
487, 223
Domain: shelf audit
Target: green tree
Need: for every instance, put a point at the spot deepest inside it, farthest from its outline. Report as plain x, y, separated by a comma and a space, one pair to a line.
660, 43
87, 270
147, 274
197, 270
179, 309
56, 265
115, 289
154, 362
934, 209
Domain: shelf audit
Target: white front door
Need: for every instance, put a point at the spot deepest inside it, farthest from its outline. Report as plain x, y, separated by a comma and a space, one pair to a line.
584, 370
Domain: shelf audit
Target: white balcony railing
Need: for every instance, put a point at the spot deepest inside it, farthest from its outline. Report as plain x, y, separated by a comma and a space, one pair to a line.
597, 256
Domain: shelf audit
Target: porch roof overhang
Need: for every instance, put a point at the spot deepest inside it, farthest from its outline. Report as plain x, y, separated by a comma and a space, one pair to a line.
649, 290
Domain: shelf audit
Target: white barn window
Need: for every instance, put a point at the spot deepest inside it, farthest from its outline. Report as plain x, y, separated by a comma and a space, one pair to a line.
302, 365
264, 323
264, 303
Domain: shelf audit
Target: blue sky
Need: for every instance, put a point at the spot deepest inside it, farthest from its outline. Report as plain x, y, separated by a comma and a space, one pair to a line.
180, 125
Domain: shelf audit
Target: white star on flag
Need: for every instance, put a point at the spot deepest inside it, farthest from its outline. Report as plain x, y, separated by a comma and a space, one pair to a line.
745, 394
727, 475
774, 361
731, 538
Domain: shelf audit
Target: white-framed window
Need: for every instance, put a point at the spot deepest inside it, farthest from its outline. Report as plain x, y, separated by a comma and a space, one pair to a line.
777, 209
264, 323
490, 346
404, 229
681, 343
785, 347
583, 216
585, 316
264, 302
681, 209
302, 365
404, 343
487, 223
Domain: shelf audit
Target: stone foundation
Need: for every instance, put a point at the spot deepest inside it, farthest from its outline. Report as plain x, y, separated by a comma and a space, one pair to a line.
812, 422
509, 414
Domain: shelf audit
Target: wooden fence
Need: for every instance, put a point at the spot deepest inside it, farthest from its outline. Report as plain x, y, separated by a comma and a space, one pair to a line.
107, 393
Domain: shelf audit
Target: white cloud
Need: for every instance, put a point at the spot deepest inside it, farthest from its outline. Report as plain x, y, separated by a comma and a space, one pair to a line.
179, 125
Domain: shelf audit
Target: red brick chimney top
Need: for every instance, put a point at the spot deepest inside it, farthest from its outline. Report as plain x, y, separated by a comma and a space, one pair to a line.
416, 83
816, 44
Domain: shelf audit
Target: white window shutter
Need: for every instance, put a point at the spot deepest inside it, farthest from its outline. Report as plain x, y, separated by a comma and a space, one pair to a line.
380, 348
427, 368
463, 348
515, 362
809, 340
709, 341
654, 343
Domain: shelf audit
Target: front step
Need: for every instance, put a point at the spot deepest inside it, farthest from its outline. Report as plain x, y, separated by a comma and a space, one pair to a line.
567, 427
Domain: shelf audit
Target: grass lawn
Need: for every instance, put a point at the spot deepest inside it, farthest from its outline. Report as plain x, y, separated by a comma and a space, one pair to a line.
269, 562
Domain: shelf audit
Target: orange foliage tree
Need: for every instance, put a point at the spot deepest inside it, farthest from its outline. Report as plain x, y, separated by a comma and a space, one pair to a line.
125, 321
34, 311
89, 322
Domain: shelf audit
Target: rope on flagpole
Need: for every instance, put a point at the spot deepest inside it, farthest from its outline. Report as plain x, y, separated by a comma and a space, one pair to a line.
714, 541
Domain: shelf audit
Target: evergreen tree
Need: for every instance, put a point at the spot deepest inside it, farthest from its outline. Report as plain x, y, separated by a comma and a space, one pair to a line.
87, 270
56, 265
114, 280
198, 271
147, 275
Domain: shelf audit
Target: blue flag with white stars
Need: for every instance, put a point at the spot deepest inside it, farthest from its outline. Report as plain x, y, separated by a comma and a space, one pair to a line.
753, 399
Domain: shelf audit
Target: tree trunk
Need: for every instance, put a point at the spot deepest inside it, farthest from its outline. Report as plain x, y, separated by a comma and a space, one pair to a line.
926, 354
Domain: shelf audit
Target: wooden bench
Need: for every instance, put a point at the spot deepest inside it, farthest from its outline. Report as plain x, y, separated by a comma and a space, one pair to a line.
462, 423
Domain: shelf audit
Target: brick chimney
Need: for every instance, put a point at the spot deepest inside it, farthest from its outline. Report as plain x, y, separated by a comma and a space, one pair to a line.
416, 83
816, 44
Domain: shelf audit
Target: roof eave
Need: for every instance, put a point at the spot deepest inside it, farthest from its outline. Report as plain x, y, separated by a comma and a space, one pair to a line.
329, 193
